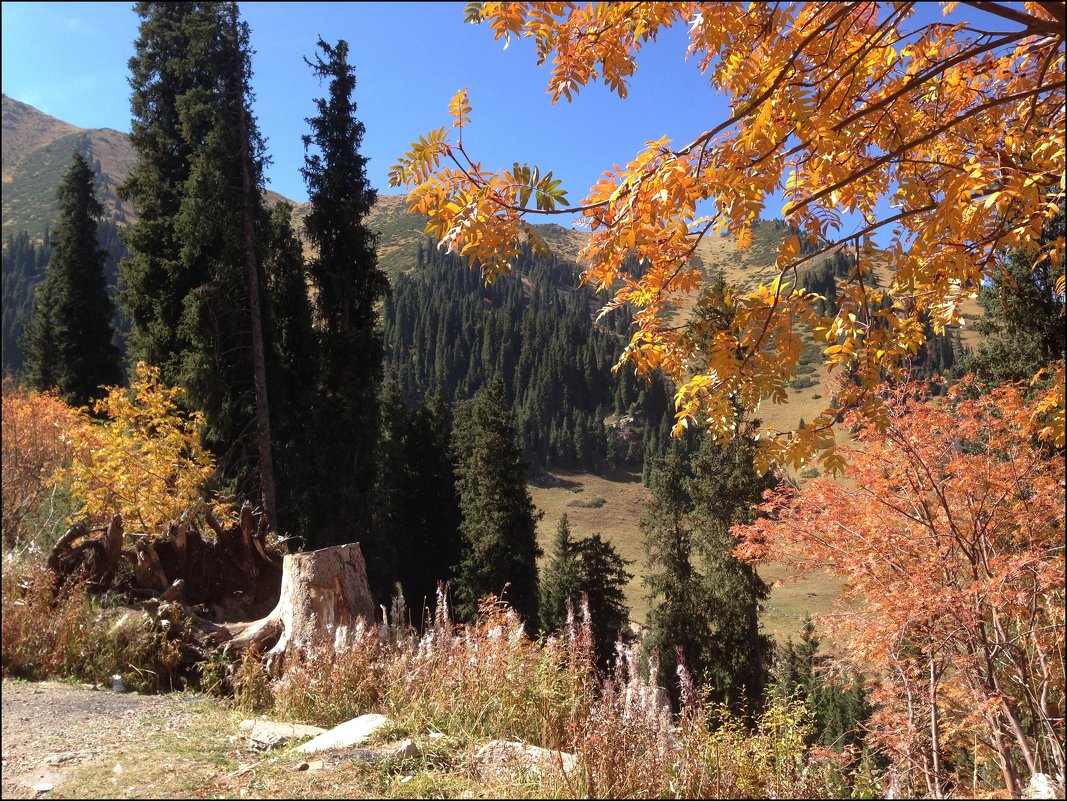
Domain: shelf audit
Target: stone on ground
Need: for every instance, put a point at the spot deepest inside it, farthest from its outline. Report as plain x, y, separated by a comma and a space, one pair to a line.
501, 758
347, 734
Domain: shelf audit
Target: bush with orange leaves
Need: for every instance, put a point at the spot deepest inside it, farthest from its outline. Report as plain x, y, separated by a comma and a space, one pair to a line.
38, 442
950, 536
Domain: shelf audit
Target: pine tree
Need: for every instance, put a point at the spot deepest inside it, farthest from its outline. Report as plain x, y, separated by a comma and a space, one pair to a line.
704, 600
418, 509
192, 281
559, 579
724, 489
349, 288
68, 341
603, 577
839, 708
1022, 322
499, 523
294, 375
678, 617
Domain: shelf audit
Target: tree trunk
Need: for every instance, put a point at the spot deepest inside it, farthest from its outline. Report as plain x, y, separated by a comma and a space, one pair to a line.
324, 595
266, 461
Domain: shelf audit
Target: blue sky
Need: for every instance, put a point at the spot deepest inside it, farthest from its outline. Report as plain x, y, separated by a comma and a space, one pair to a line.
69, 60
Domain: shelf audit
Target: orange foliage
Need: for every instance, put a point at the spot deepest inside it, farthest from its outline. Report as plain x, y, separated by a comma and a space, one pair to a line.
37, 444
840, 106
144, 460
949, 532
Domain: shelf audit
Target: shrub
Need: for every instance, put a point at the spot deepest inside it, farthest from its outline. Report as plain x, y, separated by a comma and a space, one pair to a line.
70, 633
591, 503
39, 431
144, 460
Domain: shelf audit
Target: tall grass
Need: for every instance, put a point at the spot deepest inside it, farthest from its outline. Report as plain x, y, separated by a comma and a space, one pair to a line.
71, 633
488, 680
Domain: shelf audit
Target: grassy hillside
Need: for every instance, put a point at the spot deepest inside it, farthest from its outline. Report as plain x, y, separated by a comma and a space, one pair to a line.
612, 504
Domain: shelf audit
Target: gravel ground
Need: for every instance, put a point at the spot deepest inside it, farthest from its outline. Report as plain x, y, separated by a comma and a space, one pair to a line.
50, 728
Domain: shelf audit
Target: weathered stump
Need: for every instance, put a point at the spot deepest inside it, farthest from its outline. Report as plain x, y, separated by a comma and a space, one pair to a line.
324, 593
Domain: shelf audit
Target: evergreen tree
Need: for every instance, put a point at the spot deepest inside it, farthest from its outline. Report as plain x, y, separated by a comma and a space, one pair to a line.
24, 264
349, 288
499, 523
724, 488
603, 577
705, 600
1022, 322
839, 709
589, 565
418, 509
294, 374
192, 282
559, 579
678, 617
68, 341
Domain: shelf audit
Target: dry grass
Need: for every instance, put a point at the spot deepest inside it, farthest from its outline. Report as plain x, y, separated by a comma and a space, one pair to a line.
71, 633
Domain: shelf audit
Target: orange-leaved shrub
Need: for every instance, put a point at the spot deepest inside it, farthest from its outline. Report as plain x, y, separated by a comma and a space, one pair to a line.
69, 632
950, 538
39, 432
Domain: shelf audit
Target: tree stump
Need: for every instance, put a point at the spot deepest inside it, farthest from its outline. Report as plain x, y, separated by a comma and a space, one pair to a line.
324, 594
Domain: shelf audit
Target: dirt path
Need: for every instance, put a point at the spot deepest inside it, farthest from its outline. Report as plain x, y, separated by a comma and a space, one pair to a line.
53, 731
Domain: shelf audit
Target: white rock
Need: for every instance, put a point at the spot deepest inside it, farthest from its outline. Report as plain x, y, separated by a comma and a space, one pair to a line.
499, 758
349, 733
268, 734
1040, 786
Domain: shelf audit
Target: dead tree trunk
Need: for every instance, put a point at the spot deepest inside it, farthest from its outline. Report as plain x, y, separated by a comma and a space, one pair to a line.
324, 593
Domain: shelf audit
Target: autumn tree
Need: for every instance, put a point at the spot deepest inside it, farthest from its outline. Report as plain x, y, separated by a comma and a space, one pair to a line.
943, 139
67, 341
949, 537
348, 289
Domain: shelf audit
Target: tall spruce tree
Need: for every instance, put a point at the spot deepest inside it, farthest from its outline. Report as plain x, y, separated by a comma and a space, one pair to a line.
724, 489
679, 613
68, 340
705, 600
418, 507
349, 288
192, 282
499, 522
293, 375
